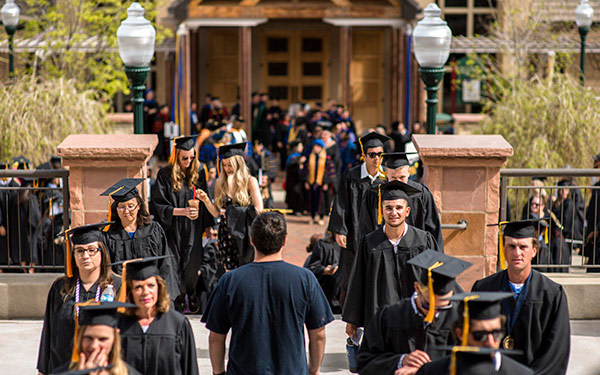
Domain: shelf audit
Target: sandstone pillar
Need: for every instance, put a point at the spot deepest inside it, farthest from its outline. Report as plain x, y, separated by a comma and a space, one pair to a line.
463, 174
98, 161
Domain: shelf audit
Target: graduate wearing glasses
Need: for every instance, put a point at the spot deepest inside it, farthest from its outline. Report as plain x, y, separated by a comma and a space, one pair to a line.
88, 274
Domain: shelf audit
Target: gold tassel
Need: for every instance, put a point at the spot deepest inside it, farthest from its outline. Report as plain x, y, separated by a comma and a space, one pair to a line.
379, 215
107, 227
123, 290
431, 312
69, 269
379, 168
206, 176
546, 236
465, 333
503, 264
453, 356
362, 151
75, 355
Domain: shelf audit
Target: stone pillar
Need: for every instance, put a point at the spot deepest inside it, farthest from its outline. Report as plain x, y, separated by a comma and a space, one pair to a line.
463, 174
97, 161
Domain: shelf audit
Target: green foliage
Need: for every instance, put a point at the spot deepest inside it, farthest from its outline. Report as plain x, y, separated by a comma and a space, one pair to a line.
36, 116
64, 25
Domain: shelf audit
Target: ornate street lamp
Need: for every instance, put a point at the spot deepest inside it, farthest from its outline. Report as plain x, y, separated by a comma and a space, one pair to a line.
583, 17
10, 18
432, 38
136, 38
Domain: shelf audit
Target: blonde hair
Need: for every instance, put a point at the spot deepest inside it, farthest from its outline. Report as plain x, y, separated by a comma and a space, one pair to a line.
239, 179
114, 358
190, 177
163, 301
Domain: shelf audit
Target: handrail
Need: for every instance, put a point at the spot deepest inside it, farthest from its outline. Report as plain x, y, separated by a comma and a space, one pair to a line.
461, 225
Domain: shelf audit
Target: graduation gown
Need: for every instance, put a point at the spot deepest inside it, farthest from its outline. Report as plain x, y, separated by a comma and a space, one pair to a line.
239, 220
65, 368
423, 212
167, 347
295, 194
541, 330
148, 240
56, 343
396, 330
206, 263
24, 227
324, 254
183, 235
5, 196
508, 366
344, 218
380, 276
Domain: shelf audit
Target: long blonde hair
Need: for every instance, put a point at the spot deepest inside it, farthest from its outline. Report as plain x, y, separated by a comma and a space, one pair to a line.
239, 179
114, 358
190, 177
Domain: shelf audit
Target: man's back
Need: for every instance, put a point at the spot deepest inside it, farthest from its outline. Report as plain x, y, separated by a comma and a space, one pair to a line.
266, 305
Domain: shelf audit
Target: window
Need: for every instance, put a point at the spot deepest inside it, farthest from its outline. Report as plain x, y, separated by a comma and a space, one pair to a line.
312, 69
280, 92
312, 45
275, 45
278, 69
312, 92
457, 23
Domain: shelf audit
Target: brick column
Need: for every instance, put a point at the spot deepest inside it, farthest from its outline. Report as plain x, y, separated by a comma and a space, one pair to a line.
98, 161
463, 174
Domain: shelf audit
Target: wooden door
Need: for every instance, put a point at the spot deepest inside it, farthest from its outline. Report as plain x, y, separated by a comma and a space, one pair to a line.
366, 78
295, 66
222, 65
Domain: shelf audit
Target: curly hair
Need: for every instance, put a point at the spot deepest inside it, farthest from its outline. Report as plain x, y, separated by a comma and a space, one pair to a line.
239, 179
106, 278
163, 302
189, 177
114, 358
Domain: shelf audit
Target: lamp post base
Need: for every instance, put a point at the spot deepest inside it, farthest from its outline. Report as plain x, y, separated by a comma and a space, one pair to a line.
137, 76
431, 78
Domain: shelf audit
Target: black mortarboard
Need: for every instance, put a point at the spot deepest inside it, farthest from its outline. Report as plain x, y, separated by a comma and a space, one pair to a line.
393, 190
395, 160
185, 143
83, 372
124, 190
437, 271
474, 360
514, 229
234, 149
371, 140
141, 269
80, 236
21, 162
103, 313
541, 178
3, 165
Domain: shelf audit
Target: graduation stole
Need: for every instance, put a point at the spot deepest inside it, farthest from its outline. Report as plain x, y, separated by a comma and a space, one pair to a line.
292, 135
501, 255
465, 332
318, 177
75, 355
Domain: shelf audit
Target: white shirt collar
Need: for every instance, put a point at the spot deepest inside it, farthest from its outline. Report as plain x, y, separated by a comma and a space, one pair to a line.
364, 173
397, 243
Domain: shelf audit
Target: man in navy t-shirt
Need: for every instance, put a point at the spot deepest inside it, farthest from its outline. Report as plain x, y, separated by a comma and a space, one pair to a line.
266, 305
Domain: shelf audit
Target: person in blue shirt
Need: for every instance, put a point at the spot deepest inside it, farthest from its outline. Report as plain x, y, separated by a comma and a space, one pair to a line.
266, 305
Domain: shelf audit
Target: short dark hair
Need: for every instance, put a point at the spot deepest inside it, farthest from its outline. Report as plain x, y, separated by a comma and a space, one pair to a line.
268, 232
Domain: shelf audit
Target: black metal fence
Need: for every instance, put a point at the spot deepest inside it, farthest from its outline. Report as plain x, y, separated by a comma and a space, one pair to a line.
567, 202
34, 208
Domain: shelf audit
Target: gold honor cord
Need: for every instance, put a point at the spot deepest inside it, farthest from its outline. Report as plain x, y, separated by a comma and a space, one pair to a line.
453, 355
107, 227
503, 264
431, 312
91, 302
465, 332
123, 290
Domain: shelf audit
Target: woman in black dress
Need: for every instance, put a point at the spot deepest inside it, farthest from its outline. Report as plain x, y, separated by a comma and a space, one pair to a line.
238, 202
87, 276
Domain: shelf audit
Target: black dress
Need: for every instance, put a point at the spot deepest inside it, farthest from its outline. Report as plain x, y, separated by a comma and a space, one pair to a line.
541, 329
56, 343
184, 236
234, 248
396, 330
148, 240
166, 348
380, 276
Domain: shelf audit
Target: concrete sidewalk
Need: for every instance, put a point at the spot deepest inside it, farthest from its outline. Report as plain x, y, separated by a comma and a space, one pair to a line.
19, 347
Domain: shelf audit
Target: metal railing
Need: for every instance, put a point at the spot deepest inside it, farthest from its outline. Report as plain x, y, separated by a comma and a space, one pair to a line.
34, 208
569, 229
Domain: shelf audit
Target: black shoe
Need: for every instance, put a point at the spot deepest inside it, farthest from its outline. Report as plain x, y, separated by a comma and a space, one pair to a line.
180, 303
194, 304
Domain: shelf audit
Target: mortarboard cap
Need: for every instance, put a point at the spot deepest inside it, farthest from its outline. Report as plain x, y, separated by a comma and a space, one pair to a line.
475, 360
80, 236
391, 191
437, 271
541, 178
20, 162
138, 269
185, 143
234, 149
83, 372
395, 160
371, 140
100, 313
124, 190
514, 229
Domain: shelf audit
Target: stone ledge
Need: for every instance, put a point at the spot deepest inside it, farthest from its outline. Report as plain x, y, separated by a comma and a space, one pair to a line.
107, 146
121, 117
583, 293
462, 146
23, 296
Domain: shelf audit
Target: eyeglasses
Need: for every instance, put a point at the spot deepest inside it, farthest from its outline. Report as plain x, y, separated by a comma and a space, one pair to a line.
91, 252
482, 336
128, 208
374, 155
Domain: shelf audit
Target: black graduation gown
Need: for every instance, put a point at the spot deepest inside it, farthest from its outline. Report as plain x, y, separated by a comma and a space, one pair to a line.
65, 368
508, 366
24, 227
324, 254
148, 240
166, 348
379, 276
395, 330
542, 328
295, 194
423, 213
561, 253
206, 263
56, 343
183, 235
5, 196
239, 220
571, 214
344, 218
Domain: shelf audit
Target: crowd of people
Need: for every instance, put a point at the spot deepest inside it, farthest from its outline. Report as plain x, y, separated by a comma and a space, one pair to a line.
209, 240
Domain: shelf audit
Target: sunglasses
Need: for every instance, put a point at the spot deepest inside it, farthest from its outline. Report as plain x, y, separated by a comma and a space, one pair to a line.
374, 155
481, 336
186, 158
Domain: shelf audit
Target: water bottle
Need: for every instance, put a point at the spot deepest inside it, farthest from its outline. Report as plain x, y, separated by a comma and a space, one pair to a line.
352, 352
108, 294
